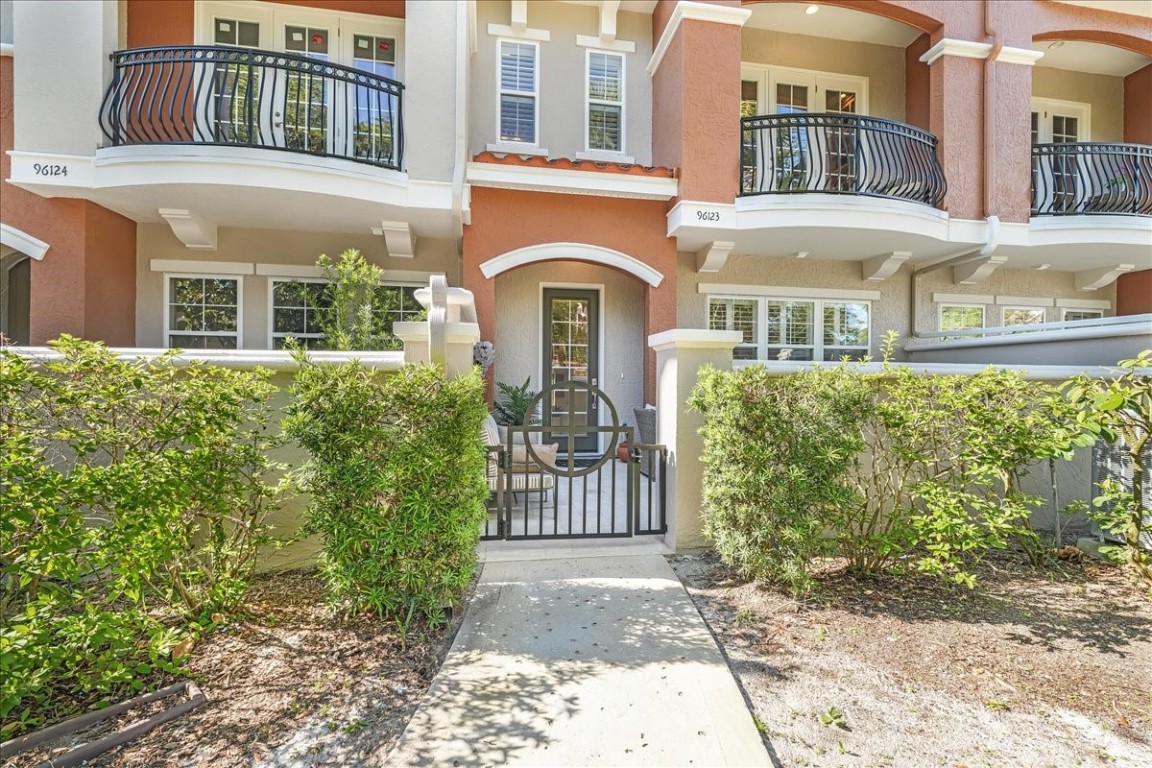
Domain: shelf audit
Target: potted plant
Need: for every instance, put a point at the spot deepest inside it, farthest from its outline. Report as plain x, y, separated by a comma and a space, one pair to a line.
512, 404
622, 448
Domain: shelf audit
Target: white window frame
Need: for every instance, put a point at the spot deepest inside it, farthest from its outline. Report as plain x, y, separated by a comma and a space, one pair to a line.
589, 101
1098, 314
1004, 310
767, 77
272, 334
169, 332
953, 304
1080, 110
535, 94
818, 346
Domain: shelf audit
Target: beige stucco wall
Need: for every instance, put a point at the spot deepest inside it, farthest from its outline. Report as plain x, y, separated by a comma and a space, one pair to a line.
883, 65
562, 78
518, 327
257, 246
1103, 92
1004, 282
890, 312
430, 66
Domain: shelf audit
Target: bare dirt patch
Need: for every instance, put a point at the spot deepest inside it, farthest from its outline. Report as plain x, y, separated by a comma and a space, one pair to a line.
290, 684
1033, 668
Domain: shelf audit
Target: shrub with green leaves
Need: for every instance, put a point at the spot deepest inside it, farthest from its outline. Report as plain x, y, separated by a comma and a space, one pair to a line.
357, 310
397, 483
880, 468
1120, 410
135, 500
777, 453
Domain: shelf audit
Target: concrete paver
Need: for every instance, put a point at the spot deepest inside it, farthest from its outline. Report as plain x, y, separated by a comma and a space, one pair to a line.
583, 661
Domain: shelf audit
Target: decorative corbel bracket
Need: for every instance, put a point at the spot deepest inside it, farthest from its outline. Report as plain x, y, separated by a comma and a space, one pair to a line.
978, 270
1095, 279
882, 267
713, 257
398, 238
194, 231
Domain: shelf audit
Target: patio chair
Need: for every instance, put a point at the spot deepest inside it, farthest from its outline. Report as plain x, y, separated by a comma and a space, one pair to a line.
523, 473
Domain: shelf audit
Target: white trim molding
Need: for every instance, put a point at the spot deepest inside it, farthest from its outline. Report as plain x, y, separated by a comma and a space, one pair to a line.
1024, 301
289, 271
686, 10
28, 245
571, 182
971, 49
593, 254
7, 49
786, 292
951, 46
963, 298
1084, 304
694, 338
191, 267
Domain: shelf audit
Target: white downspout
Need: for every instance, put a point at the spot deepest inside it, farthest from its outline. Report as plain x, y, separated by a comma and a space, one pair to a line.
464, 14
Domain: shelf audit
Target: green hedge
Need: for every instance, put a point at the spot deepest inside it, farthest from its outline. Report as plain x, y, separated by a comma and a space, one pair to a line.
882, 469
397, 483
134, 506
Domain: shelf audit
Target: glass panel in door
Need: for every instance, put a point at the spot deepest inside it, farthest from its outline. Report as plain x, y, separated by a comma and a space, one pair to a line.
1065, 130
749, 107
306, 120
233, 89
840, 150
571, 326
374, 114
792, 142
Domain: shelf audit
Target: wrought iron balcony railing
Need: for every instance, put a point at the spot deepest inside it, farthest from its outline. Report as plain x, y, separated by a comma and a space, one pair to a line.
839, 154
1080, 178
240, 97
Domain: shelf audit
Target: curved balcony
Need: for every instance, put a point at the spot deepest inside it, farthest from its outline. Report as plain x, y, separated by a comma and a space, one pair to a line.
238, 97
839, 154
1091, 178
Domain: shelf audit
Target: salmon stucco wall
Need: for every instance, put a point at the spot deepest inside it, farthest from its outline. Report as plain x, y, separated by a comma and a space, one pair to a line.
507, 220
160, 22
85, 284
1134, 293
1138, 106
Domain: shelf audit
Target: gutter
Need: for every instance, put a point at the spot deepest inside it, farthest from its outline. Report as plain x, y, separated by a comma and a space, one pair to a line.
463, 53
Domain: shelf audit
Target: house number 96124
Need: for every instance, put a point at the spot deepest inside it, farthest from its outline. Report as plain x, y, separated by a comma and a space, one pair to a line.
48, 169
707, 215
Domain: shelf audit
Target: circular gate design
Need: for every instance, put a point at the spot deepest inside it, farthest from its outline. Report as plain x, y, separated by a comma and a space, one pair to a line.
561, 402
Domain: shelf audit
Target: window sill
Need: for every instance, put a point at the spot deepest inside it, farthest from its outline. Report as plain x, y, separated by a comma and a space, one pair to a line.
606, 157
513, 148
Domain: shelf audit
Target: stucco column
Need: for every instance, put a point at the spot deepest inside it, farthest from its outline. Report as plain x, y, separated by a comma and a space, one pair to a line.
680, 354
955, 119
1010, 188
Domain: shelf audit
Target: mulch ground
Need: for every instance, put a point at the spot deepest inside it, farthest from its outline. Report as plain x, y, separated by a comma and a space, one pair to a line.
289, 684
1034, 667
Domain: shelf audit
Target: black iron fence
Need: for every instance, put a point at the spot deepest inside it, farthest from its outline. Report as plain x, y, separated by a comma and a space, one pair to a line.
1079, 178
243, 97
839, 154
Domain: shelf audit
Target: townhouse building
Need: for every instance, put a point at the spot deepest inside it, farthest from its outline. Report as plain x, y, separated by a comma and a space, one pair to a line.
812, 175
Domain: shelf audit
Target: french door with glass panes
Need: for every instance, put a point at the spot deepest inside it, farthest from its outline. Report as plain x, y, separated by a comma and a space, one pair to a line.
803, 157
1057, 177
300, 110
571, 352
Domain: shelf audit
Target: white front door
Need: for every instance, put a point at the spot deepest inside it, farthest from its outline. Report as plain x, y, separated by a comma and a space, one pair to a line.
1060, 181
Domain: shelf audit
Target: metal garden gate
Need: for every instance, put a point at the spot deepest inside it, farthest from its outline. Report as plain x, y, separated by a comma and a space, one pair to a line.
543, 487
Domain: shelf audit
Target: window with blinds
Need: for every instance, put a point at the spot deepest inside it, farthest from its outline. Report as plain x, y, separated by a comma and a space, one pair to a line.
518, 87
605, 102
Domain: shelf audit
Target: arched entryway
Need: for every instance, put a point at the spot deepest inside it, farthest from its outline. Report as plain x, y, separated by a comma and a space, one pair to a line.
15, 296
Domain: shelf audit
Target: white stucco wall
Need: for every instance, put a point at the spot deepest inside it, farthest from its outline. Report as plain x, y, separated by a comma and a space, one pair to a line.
60, 73
156, 241
430, 59
562, 77
518, 327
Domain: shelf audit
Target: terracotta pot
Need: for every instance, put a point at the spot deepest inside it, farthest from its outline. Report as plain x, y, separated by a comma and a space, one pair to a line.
622, 451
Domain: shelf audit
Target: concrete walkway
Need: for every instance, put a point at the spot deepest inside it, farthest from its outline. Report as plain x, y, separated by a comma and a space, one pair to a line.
590, 661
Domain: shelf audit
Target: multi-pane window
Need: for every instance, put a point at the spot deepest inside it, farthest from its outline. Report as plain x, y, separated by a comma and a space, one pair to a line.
1072, 315
1023, 315
518, 91
374, 111
298, 307
203, 312
959, 317
232, 82
306, 100
737, 315
296, 312
794, 329
605, 101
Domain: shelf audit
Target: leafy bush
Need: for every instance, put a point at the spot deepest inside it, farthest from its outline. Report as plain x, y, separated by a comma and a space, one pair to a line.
397, 483
777, 451
1120, 409
357, 310
878, 468
134, 502
513, 403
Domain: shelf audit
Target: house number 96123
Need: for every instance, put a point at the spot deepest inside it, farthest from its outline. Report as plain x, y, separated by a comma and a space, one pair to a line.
707, 215
47, 169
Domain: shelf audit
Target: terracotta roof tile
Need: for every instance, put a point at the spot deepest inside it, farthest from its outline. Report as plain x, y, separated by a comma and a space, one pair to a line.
563, 163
